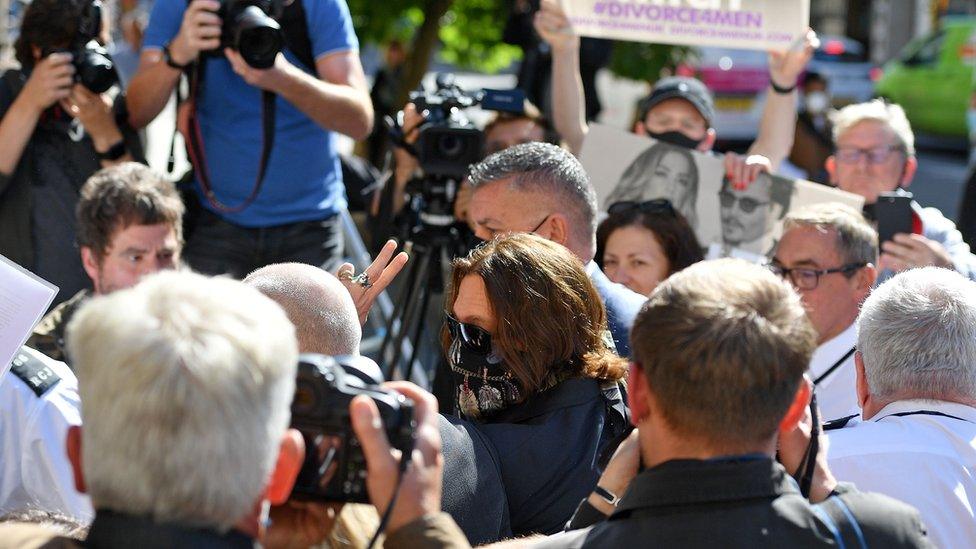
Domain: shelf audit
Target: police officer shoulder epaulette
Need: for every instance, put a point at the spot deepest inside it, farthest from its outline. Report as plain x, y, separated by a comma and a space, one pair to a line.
838, 423
34, 372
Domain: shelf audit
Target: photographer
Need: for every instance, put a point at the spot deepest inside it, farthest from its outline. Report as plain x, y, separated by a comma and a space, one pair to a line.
293, 213
55, 133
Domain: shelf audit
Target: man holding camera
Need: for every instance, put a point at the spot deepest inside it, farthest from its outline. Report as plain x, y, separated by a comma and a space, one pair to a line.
293, 213
56, 131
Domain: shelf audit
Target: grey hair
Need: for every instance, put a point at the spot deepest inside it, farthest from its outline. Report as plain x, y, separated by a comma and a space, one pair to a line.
917, 336
186, 383
889, 114
857, 241
546, 169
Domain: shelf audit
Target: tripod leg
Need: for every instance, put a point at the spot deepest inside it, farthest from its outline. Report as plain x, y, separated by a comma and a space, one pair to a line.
419, 285
395, 323
418, 330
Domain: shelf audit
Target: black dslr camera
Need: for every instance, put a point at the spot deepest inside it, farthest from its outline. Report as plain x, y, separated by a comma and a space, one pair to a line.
251, 28
334, 467
93, 65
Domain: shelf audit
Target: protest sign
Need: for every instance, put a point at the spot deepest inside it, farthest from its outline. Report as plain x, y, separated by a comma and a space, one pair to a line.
24, 297
748, 24
728, 222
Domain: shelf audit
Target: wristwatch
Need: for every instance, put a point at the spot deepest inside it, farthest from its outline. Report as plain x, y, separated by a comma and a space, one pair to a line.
114, 152
606, 495
168, 57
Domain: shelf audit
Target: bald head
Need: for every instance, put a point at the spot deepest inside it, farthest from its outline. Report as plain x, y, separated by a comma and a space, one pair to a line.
316, 302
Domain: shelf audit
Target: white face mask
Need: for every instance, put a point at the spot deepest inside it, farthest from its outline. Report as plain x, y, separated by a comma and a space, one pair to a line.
817, 102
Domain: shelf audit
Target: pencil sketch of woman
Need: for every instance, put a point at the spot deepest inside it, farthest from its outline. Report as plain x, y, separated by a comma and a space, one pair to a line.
661, 171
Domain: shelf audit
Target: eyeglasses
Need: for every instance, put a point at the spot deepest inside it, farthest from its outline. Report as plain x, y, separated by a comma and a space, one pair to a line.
656, 206
473, 337
877, 155
808, 279
746, 204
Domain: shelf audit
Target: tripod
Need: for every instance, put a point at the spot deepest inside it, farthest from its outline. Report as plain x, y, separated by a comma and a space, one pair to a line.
432, 237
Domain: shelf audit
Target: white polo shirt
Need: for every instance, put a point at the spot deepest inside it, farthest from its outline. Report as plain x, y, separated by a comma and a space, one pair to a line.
34, 469
837, 390
922, 452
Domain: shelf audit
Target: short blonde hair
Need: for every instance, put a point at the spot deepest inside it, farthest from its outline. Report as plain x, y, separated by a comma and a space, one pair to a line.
186, 383
857, 241
889, 114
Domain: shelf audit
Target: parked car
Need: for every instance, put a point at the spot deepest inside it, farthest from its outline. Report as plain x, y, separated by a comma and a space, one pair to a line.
932, 78
739, 79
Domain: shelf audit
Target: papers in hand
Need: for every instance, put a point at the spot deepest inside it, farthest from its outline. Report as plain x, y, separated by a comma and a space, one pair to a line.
24, 297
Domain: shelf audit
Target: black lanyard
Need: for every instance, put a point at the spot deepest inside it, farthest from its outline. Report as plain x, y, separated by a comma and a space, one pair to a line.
836, 365
924, 413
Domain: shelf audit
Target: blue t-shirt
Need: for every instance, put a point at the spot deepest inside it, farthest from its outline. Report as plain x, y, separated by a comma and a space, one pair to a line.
304, 180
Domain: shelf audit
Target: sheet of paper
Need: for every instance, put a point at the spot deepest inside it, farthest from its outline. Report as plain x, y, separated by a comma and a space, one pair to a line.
24, 297
747, 24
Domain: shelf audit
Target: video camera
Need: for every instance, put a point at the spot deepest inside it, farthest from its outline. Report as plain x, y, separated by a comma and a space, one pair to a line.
448, 143
334, 467
94, 68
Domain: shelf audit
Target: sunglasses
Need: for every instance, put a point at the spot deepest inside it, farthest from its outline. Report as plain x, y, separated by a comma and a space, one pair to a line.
475, 338
656, 206
746, 204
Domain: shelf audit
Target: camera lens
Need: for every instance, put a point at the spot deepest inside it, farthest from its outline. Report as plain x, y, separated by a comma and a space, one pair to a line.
450, 146
258, 37
95, 68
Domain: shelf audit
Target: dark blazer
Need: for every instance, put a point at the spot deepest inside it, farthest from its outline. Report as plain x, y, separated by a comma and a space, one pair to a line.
473, 493
622, 306
549, 449
748, 502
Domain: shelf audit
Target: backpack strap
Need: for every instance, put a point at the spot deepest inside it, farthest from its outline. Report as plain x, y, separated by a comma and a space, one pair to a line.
840, 521
294, 28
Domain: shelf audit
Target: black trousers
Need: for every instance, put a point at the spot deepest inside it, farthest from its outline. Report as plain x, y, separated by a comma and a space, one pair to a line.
217, 246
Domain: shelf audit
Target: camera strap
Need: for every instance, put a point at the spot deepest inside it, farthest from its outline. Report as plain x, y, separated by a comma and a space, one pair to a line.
198, 156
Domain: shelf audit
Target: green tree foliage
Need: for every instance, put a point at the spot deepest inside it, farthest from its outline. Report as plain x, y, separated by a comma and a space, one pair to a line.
647, 62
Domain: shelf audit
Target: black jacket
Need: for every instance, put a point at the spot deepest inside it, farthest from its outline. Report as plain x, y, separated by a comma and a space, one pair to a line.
743, 503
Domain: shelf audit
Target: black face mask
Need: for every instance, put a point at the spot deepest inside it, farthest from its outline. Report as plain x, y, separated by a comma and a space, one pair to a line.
487, 386
675, 138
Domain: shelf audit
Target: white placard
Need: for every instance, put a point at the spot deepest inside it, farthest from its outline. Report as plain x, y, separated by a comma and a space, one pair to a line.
24, 297
748, 24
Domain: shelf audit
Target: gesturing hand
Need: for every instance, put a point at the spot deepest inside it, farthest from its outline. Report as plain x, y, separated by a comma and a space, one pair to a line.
367, 286
785, 66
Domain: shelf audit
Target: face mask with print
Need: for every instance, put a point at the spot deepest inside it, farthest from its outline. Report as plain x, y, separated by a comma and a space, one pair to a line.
486, 386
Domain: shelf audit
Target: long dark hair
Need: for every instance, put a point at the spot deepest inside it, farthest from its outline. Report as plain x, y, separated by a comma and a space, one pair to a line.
670, 229
551, 320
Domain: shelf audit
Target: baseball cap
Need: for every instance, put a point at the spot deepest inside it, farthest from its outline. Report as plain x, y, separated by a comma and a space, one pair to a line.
680, 87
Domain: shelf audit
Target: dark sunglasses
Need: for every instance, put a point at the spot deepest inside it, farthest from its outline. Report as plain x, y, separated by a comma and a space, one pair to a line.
746, 204
656, 206
473, 337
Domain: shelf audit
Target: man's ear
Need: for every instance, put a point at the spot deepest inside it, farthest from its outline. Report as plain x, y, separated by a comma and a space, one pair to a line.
798, 407
73, 447
558, 229
831, 166
865, 278
908, 174
861, 380
639, 128
90, 263
709, 141
637, 394
291, 455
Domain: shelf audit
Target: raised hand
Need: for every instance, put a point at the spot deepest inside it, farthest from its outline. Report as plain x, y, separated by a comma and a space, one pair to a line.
368, 285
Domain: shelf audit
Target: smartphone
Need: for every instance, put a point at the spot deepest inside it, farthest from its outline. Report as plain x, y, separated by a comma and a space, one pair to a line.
894, 214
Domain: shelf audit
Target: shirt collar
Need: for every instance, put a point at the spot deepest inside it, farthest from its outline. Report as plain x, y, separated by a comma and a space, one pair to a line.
692, 482
111, 529
830, 351
961, 411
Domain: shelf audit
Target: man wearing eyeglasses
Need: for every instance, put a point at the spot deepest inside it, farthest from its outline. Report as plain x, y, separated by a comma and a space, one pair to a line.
828, 252
875, 153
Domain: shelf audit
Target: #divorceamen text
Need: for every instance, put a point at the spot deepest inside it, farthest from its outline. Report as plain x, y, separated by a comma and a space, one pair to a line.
737, 23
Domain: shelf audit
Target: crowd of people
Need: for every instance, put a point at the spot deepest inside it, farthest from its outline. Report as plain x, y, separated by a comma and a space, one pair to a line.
608, 385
